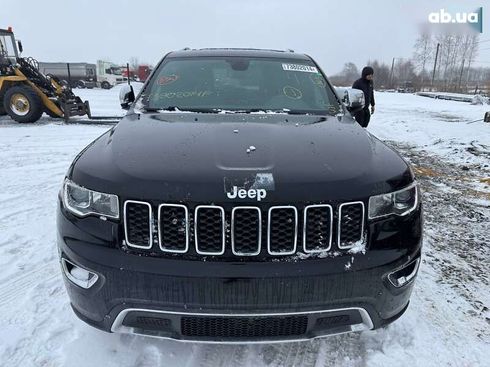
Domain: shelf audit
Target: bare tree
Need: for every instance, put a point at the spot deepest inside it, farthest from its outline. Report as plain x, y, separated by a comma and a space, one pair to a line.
457, 53
134, 63
350, 71
472, 54
423, 53
405, 71
381, 74
347, 76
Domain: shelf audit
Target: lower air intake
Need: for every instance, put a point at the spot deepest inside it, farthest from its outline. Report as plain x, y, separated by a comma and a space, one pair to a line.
244, 327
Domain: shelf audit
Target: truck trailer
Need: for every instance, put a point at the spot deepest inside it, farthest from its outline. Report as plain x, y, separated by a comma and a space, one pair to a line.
76, 74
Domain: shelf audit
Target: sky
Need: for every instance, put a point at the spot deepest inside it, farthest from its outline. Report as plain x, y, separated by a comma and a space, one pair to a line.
332, 32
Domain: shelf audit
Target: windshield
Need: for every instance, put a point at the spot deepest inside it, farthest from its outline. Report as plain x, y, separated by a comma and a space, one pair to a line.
245, 84
7, 46
116, 70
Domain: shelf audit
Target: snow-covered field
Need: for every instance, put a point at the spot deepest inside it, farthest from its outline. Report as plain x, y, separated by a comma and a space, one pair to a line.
447, 323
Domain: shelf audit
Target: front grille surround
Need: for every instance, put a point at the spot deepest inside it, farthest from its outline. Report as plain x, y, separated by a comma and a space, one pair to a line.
259, 230
230, 231
150, 225
295, 242
223, 229
339, 228
305, 220
160, 228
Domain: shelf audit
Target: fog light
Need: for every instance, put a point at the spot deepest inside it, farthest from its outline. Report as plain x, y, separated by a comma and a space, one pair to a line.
405, 274
77, 275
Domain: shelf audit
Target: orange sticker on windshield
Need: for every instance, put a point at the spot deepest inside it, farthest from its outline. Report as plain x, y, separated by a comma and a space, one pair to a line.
167, 79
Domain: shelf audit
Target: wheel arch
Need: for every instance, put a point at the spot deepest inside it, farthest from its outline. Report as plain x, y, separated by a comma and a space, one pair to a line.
9, 81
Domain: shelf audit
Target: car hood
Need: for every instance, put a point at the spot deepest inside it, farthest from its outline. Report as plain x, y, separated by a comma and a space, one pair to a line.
200, 157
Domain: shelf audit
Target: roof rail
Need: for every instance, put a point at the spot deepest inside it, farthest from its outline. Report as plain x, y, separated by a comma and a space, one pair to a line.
244, 49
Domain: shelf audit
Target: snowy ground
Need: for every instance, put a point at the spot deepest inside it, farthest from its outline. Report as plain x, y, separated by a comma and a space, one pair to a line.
447, 323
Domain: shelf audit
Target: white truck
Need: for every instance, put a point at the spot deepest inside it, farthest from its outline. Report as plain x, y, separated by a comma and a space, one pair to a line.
109, 74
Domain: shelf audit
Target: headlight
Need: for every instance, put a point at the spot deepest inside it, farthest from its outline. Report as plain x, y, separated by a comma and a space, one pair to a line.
398, 203
82, 202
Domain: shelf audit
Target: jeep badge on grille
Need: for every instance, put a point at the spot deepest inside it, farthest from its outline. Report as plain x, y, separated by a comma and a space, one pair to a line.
258, 194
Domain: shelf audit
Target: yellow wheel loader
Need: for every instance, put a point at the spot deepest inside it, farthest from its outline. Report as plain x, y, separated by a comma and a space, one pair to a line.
25, 93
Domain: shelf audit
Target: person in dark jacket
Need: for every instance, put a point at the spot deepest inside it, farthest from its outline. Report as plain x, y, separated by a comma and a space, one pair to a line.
365, 83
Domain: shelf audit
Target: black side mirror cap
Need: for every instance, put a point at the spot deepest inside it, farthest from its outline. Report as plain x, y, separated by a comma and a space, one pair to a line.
126, 96
487, 117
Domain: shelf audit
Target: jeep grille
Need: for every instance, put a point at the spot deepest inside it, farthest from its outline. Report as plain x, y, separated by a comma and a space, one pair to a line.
242, 230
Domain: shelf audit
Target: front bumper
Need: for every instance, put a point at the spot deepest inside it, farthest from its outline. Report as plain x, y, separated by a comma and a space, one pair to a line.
205, 301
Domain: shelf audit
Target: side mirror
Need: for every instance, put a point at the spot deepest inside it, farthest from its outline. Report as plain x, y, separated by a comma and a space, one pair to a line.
126, 96
353, 99
19, 46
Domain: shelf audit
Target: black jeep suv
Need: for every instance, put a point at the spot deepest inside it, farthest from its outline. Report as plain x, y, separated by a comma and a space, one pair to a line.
238, 201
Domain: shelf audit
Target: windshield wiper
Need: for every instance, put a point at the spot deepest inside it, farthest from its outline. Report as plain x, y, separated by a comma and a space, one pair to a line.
292, 112
199, 109
217, 110
182, 109
151, 109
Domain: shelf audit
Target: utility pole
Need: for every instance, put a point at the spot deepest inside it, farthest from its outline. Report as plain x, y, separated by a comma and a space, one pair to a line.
468, 67
69, 74
391, 73
460, 76
435, 64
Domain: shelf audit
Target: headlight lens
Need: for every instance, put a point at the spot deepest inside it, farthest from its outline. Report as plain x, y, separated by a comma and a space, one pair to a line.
399, 203
82, 202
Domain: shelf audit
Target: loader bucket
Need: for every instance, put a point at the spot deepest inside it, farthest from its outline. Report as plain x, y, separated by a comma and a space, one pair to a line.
75, 107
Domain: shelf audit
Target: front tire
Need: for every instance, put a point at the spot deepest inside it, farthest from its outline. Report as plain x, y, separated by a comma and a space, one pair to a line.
23, 104
105, 85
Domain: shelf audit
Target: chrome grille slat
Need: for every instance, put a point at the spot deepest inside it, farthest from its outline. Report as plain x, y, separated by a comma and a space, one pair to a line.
350, 224
243, 231
170, 238
134, 226
199, 237
314, 215
278, 238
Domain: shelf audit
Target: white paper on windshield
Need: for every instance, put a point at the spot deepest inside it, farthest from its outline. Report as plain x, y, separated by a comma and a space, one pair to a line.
299, 67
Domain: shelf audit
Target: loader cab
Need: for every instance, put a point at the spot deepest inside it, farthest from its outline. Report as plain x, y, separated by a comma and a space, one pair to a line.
8, 47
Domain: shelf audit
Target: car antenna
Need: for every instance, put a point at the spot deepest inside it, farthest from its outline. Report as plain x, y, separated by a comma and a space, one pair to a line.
127, 72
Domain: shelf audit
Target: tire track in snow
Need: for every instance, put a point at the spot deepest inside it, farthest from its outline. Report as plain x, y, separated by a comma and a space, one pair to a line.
12, 289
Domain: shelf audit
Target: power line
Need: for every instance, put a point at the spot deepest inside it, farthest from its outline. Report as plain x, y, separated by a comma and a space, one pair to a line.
485, 40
